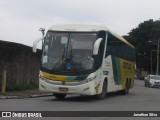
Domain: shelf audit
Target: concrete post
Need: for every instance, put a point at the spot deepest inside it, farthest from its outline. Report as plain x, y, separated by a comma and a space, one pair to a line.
157, 71
4, 79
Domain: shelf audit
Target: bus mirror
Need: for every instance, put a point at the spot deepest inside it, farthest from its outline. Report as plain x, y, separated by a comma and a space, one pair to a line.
34, 49
96, 46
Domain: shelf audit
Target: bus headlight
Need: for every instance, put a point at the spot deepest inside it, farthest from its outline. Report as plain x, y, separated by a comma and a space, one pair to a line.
88, 80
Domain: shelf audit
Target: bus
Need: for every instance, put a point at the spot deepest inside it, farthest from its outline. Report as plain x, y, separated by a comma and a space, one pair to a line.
86, 60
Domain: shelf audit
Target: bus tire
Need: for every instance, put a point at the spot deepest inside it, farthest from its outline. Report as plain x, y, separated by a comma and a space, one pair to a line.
59, 95
104, 91
126, 90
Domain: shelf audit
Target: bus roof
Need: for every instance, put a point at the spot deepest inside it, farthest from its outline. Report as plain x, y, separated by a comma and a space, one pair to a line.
86, 28
77, 27
121, 38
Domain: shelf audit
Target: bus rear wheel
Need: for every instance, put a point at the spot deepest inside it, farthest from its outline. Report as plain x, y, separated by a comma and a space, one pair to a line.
59, 95
126, 90
104, 91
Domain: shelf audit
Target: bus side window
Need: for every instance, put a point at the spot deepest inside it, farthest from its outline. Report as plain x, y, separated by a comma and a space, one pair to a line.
112, 46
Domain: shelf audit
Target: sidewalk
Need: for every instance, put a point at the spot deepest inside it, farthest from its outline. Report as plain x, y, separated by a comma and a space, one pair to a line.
24, 94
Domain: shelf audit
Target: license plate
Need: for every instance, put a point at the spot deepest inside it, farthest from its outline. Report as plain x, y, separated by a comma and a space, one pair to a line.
62, 89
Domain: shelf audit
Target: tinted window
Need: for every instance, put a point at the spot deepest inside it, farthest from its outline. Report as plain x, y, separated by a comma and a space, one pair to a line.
118, 48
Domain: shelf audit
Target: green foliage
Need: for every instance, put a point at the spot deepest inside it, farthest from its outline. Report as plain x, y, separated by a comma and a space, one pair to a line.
147, 31
14, 87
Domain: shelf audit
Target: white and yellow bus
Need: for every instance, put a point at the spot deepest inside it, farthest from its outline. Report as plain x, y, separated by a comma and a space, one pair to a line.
86, 60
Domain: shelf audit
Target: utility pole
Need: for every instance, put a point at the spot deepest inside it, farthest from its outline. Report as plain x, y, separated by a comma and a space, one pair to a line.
157, 71
151, 63
4, 79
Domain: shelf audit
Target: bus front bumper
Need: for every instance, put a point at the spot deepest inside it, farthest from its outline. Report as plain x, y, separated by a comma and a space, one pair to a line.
56, 87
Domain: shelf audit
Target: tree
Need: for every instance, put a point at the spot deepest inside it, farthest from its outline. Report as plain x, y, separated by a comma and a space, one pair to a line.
147, 31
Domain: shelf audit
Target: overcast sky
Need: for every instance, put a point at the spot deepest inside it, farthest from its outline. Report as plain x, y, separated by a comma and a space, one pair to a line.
20, 20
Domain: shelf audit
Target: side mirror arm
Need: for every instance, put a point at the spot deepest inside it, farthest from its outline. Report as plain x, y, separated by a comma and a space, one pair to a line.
34, 49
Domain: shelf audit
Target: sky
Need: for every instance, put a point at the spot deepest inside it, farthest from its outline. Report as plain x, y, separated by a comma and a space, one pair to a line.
20, 20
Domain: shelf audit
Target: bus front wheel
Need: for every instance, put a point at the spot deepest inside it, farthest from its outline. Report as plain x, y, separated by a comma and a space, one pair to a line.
104, 91
59, 95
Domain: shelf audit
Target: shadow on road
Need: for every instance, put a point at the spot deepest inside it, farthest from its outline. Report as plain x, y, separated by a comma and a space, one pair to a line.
80, 98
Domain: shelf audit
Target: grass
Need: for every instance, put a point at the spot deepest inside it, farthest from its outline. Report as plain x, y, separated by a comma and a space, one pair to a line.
15, 87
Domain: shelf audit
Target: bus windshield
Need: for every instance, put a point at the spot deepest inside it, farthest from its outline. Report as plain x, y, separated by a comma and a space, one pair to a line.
68, 52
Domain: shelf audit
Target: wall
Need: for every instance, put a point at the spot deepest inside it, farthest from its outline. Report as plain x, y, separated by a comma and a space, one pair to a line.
21, 63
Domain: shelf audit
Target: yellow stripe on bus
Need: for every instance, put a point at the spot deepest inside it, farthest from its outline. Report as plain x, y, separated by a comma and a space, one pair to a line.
54, 77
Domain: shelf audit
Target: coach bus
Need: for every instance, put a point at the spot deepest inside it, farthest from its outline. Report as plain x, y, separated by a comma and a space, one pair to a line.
85, 60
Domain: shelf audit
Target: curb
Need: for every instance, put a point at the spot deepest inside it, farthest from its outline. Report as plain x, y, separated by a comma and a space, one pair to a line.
2, 97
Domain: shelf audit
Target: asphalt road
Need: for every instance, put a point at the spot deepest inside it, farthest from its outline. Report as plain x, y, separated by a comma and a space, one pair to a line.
140, 98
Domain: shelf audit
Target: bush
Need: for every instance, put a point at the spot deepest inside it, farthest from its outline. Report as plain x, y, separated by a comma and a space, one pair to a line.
14, 87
